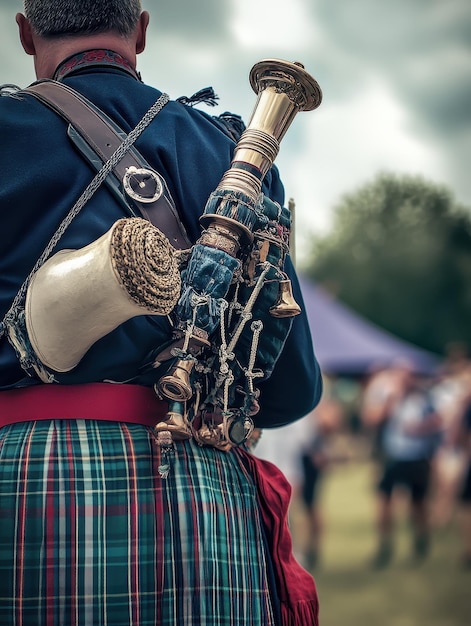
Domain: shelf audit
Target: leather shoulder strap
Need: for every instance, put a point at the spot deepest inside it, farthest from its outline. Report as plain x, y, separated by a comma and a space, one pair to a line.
102, 137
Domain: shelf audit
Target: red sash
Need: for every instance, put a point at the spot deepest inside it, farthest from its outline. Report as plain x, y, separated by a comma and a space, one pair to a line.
95, 401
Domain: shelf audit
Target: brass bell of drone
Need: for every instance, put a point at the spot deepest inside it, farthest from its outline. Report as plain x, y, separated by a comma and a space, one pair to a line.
286, 305
175, 422
176, 384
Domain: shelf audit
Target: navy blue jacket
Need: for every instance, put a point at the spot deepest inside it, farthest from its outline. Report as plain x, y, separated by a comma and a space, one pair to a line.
41, 177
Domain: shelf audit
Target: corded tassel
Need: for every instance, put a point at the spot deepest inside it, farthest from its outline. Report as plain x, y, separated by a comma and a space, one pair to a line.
167, 450
233, 123
205, 95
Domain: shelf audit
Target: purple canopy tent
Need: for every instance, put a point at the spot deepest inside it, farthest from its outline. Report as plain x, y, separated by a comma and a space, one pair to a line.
347, 344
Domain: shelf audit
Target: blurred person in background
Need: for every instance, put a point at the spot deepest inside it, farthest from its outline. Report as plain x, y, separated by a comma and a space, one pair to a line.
316, 454
465, 494
380, 385
410, 430
450, 395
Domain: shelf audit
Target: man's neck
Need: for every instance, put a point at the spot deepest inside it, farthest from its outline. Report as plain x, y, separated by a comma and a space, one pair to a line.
53, 51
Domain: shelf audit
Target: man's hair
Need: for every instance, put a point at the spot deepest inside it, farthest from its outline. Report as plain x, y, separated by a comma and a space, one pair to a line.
56, 18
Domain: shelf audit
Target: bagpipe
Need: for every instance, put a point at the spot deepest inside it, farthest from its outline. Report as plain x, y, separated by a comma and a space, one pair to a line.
236, 304
229, 296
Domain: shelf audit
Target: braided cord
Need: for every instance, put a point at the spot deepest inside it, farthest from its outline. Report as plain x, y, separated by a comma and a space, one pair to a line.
87, 194
143, 260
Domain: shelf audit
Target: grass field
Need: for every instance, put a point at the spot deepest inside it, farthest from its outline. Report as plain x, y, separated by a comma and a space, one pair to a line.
434, 593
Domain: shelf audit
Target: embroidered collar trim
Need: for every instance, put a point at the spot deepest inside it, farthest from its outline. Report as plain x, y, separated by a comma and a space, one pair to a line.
94, 58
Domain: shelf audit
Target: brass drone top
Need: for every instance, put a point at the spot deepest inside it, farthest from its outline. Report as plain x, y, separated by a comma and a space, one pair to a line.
289, 78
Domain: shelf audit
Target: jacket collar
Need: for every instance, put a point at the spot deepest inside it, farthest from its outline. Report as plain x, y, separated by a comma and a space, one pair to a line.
94, 58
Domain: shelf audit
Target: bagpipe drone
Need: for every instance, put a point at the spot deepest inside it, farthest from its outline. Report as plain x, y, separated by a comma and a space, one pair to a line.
236, 305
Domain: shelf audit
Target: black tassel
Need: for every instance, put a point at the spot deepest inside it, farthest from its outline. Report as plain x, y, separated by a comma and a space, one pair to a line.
205, 95
233, 124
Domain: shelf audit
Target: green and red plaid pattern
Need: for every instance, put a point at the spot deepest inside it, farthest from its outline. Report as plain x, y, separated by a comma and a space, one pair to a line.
91, 535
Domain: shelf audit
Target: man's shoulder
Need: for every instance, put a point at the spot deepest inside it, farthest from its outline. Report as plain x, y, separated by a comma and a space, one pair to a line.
230, 123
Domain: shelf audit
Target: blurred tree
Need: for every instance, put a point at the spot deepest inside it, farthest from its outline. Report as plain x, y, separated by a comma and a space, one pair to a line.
399, 253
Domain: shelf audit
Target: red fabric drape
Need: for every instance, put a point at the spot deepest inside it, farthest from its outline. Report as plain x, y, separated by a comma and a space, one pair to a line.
296, 587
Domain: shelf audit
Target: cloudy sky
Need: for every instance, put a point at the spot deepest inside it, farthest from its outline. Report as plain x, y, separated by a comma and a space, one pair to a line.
395, 76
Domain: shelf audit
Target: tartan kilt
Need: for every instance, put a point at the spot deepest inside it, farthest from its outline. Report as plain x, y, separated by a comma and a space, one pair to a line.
91, 535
